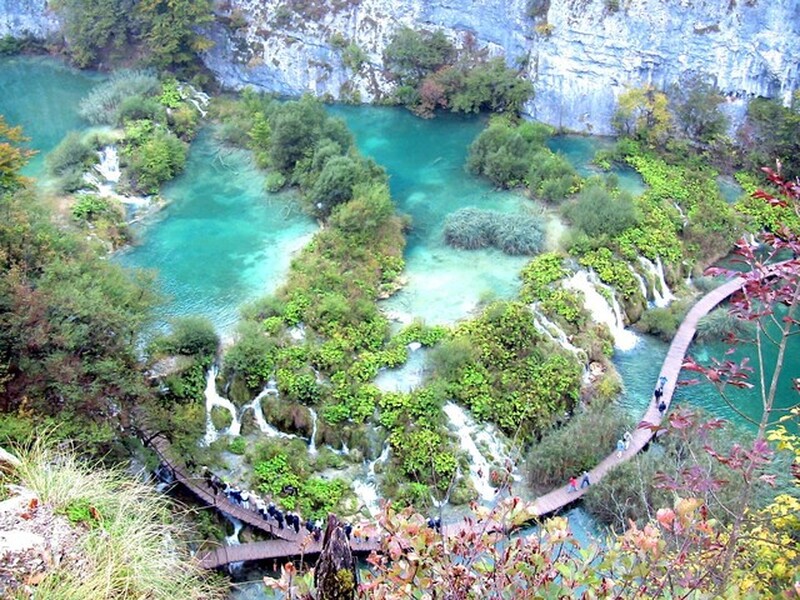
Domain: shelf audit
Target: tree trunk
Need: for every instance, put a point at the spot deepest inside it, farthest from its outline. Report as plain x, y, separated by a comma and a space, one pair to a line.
335, 574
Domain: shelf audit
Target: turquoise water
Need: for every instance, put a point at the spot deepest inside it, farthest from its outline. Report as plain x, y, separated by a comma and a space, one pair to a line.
640, 367
42, 95
729, 189
222, 240
580, 150
425, 160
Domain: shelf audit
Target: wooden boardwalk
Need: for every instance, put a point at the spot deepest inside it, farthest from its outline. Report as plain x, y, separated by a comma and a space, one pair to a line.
290, 544
204, 493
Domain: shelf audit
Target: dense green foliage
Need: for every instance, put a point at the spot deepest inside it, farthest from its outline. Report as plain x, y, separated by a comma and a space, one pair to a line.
69, 325
68, 161
164, 32
772, 133
578, 445
153, 155
285, 475
431, 73
600, 212
503, 152
104, 103
472, 228
503, 369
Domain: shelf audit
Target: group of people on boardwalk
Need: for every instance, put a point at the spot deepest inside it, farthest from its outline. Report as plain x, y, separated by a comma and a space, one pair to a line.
249, 500
573, 482
623, 443
657, 395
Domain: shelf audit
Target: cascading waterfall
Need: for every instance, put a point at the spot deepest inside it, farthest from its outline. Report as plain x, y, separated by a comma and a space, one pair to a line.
312, 446
600, 309
108, 167
235, 428
467, 432
553, 332
214, 399
662, 295
366, 489
681, 213
233, 540
642, 282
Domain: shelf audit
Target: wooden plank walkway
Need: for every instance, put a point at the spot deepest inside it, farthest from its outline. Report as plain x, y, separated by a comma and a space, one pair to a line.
205, 494
291, 544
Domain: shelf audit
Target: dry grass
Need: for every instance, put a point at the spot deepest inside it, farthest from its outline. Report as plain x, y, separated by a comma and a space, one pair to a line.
131, 537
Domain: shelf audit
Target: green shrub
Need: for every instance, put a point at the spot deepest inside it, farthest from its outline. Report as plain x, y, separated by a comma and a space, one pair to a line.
551, 176
190, 336
73, 154
153, 157
89, 207
599, 212
588, 437
237, 445
721, 324
102, 105
473, 228
275, 182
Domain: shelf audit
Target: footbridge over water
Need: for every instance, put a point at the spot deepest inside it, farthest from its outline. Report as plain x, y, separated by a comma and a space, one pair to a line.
290, 544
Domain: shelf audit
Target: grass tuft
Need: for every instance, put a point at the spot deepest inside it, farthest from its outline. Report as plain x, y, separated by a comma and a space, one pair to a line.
131, 539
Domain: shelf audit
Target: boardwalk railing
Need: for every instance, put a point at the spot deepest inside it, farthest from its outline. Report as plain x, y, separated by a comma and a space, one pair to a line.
292, 544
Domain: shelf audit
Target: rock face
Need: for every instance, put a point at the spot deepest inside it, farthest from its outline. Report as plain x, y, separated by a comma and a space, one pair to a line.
27, 18
580, 54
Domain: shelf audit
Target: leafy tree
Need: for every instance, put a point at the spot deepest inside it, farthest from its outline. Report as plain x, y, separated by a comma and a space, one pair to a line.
95, 26
169, 28
600, 212
410, 55
696, 104
491, 86
771, 135
12, 156
642, 113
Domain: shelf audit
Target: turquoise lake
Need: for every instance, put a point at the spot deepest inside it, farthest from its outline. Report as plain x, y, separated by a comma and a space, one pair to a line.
222, 240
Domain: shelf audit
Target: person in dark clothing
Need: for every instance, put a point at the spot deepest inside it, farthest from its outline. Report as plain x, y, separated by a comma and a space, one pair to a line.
658, 393
279, 518
662, 406
431, 523
348, 529
437, 525
317, 534
296, 523
271, 510
310, 526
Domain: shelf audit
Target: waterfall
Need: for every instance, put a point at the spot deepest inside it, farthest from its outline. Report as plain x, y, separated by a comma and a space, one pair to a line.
235, 428
312, 447
479, 468
366, 489
681, 213
600, 309
662, 295
642, 282
214, 399
233, 540
553, 332
108, 167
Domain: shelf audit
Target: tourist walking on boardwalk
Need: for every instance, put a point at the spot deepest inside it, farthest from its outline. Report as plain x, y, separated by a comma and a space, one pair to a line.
573, 484
662, 406
620, 448
585, 480
626, 439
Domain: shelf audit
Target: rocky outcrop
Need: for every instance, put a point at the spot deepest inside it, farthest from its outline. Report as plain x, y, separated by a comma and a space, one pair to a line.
580, 54
27, 19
